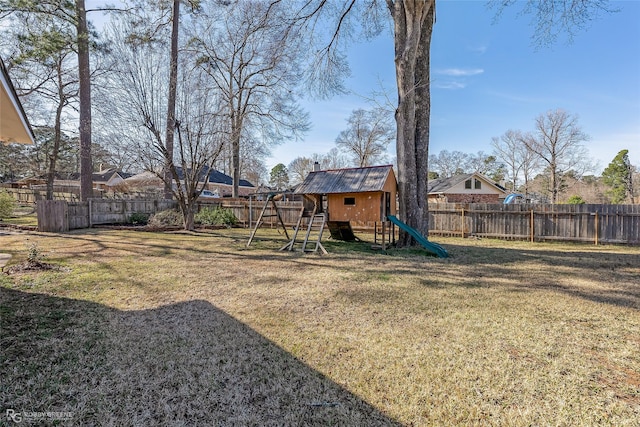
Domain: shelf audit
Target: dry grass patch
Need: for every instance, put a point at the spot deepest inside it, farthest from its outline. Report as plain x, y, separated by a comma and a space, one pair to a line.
194, 328
23, 216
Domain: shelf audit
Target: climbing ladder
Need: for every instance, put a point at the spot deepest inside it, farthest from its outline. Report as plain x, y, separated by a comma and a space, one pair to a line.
304, 213
263, 216
314, 231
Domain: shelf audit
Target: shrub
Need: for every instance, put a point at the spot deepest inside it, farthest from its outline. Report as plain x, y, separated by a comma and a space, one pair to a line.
216, 216
576, 200
7, 204
139, 218
168, 218
35, 255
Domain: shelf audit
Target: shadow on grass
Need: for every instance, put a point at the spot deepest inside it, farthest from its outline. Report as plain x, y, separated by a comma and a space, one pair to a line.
183, 364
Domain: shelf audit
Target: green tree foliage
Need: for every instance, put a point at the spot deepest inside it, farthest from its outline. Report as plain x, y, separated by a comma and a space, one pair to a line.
19, 161
51, 31
279, 176
13, 161
216, 216
45, 68
7, 204
576, 200
619, 177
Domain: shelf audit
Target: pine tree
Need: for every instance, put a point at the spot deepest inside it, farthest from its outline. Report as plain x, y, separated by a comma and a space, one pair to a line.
279, 176
618, 176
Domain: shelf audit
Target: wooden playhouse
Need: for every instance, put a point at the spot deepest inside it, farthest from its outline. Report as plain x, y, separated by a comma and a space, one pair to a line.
339, 196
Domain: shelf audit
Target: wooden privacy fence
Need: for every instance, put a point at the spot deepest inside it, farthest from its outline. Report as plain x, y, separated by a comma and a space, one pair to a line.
27, 196
537, 222
248, 211
59, 215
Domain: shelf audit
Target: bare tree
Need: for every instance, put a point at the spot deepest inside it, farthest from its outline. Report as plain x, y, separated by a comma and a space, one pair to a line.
553, 18
518, 158
139, 92
334, 159
485, 164
448, 163
530, 166
557, 140
299, 168
253, 169
253, 60
367, 136
413, 26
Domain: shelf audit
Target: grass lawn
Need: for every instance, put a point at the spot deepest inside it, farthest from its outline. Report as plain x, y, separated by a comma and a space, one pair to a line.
143, 328
23, 215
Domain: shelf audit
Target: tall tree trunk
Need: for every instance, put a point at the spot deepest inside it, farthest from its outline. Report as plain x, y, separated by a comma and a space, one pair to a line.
171, 101
189, 219
413, 28
554, 179
84, 77
629, 184
554, 187
235, 154
53, 155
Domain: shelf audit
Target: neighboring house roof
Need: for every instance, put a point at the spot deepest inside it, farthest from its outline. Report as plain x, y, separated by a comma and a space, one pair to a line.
144, 179
104, 176
109, 175
353, 180
445, 185
14, 126
217, 177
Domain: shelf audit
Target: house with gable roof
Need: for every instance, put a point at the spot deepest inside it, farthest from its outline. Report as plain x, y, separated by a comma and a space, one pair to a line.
466, 188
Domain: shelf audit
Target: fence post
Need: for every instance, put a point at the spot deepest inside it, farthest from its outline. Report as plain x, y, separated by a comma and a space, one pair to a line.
90, 219
532, 231
596, 228
462, 222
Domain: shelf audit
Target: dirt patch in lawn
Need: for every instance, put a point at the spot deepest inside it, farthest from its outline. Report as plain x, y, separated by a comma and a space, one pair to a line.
30, 266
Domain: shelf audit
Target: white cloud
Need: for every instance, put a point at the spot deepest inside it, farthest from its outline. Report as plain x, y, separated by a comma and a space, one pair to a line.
480, 49
449, 85
460, 72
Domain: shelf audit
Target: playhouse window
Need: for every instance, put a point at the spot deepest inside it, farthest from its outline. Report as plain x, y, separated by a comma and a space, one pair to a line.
349, 201
478, 184
467, 184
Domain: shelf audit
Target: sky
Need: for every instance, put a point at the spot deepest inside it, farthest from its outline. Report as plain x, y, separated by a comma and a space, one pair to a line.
488, 77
